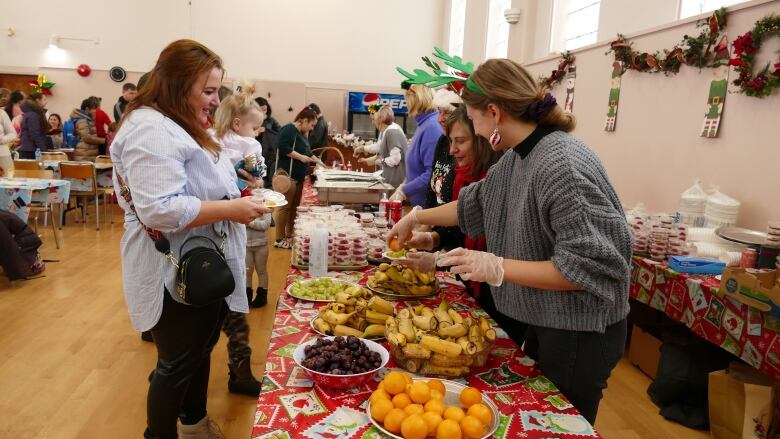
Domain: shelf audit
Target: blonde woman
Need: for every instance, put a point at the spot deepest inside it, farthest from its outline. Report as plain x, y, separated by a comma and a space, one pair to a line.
558, 246
419, 156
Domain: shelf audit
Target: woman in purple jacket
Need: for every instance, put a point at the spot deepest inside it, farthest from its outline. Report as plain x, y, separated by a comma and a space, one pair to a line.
419, 156
34, 126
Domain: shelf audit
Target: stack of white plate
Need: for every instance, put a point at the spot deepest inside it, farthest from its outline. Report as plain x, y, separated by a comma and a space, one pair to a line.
690, 211
720, 210
773, 234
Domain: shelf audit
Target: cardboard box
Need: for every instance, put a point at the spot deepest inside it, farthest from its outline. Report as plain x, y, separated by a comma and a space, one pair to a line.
645, 351
757, 289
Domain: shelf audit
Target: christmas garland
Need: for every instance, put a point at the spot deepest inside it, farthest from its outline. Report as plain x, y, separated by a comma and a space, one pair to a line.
692, 51
557, 75
745, 48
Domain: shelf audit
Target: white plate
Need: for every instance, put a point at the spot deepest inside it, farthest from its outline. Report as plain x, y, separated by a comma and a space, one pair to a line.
386, 255
290, 290
452, 397
274, 204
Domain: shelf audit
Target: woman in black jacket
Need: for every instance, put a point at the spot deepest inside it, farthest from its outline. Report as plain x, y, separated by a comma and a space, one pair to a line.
267, 134
34, 126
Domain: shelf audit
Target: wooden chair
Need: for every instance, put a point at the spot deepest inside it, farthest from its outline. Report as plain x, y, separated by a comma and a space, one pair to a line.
321, 151
46, 207
103, 159
54, 156
28, 165
86, 170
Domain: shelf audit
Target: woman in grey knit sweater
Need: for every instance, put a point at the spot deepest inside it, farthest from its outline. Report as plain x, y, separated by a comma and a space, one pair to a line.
558, 246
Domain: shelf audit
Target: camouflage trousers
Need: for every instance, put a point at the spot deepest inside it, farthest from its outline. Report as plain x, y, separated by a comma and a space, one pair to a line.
236, 328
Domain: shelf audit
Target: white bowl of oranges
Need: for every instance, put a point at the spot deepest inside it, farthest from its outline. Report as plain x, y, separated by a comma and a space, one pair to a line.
407, 408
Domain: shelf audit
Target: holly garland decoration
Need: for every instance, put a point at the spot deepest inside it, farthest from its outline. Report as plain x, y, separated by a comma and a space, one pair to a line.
41, 85
745, 46
557, 75
692, 51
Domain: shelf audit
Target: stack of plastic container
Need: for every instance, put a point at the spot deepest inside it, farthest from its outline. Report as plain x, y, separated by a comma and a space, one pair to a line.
692, 205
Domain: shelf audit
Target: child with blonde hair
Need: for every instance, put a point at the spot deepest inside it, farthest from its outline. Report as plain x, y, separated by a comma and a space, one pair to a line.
236, 123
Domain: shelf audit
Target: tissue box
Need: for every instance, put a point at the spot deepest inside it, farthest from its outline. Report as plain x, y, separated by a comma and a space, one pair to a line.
691, 265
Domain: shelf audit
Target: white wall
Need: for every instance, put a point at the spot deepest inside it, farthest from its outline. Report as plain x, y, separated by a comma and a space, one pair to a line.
627, 16
334, 41
656, 152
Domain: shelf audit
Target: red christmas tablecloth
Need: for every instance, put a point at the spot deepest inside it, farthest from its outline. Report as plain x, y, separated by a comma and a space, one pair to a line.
291, 407
698, 302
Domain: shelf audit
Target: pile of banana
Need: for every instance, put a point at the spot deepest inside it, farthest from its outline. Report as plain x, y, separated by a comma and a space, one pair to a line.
403, 281
357, 312
438, 341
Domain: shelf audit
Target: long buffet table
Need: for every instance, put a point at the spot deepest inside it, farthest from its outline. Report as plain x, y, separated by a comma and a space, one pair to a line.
290, 406
698, 302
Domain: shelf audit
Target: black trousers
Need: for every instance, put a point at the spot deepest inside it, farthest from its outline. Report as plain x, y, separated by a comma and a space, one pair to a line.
578, 363
184, 337
514, 329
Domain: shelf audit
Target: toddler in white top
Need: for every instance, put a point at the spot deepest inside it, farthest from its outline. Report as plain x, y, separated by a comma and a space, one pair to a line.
236, 123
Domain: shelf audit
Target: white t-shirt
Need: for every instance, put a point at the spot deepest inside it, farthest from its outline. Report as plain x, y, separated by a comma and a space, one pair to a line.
236, 148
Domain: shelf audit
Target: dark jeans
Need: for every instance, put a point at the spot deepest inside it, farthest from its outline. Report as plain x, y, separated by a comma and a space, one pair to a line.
513, 328
27, 155
184, 337
578, 363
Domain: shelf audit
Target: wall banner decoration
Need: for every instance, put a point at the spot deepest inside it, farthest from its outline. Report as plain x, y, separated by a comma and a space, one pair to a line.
571, 77
718, 86
614, 96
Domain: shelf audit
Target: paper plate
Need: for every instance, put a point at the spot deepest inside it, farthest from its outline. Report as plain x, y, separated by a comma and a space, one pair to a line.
292, 294
435, 291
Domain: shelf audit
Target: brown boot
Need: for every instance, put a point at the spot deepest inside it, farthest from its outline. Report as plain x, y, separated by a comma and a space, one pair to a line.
242, 381
204, 429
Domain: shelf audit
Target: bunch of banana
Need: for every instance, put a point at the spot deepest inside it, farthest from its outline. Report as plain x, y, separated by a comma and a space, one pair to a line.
355, 312
394, 279
437, 341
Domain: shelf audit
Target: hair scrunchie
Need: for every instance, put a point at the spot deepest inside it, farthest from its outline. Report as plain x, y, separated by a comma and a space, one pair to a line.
538, 110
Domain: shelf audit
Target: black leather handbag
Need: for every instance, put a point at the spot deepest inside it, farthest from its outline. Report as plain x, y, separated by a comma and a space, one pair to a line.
202, 274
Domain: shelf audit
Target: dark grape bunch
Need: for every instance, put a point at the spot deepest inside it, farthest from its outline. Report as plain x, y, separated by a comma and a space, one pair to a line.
340, 356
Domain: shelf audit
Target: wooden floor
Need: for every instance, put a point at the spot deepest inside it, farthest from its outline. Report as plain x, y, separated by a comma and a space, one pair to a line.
71, 365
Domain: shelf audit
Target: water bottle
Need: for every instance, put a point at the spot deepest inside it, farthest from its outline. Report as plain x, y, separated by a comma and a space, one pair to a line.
38, 154
318, 251
383, 205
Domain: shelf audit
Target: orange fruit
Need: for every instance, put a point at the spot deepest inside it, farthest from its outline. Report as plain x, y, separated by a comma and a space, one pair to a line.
380, 409
381, 386
454, 413
401, 400
448, 429
414, 427
407, 377
435, 405
481, 412
437, 385
414, 409
433, 420
393, 420
419, 392
394, 245
394, 383
470, 396
379, 394
435, 394
472, 428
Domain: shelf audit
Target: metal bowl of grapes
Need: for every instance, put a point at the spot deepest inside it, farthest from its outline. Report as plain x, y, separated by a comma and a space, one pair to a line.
341, 362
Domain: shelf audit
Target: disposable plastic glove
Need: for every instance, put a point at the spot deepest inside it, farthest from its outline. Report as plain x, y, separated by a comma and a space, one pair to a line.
424, 262
359, 150
475, 265
421, 241
398, 195
402, 230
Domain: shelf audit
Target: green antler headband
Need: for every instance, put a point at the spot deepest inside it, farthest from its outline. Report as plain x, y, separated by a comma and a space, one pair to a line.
457, 79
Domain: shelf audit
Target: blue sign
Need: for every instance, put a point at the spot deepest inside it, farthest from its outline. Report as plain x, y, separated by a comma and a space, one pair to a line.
359, 102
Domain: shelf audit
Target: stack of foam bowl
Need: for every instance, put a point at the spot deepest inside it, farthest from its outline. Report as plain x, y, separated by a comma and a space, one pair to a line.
773, 234
692, 206
720, 210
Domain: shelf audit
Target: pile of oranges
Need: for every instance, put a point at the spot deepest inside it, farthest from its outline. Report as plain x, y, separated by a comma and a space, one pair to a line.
416, 409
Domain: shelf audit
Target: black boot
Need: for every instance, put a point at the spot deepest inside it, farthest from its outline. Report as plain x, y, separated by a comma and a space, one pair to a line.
242, 381
261, 299
249, 295
147, 336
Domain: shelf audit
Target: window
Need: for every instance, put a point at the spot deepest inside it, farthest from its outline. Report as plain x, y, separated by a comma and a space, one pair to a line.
689, 8
498, 29
575, 24
457, 26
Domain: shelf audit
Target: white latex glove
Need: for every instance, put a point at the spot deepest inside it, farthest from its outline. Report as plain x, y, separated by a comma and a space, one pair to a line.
421, 241
398, 195
359, 150
475, 265
402, 230
423, 262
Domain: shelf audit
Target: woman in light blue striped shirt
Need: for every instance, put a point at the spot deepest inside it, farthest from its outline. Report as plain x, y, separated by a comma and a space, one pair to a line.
182, 186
